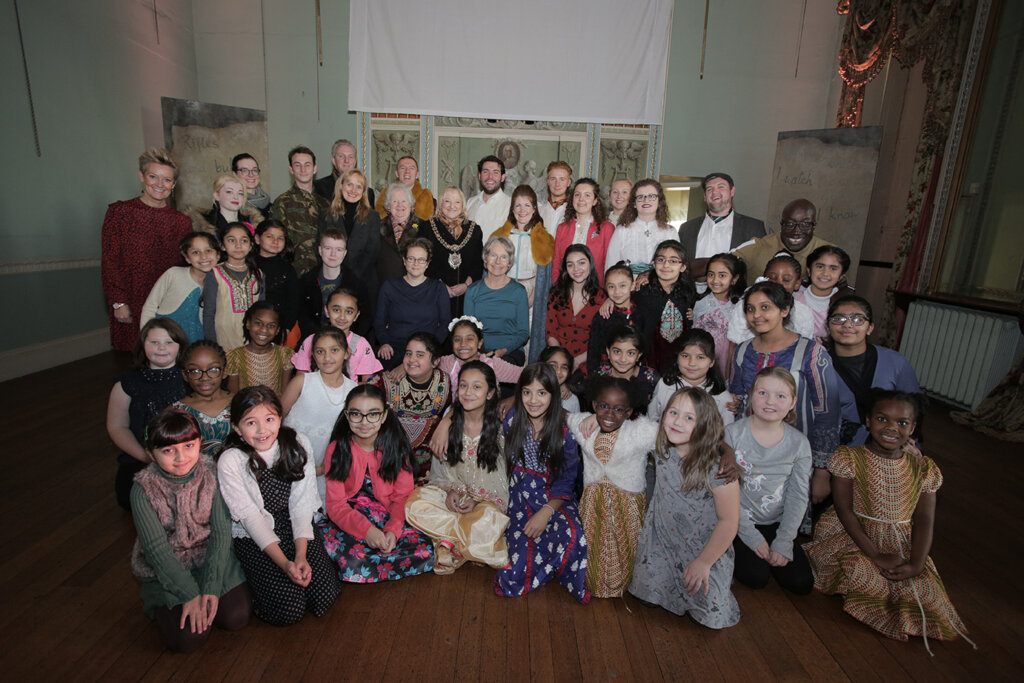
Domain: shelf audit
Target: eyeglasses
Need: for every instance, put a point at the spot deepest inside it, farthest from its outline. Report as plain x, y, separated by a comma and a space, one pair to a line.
617, 410
670, 260
646, 197
498, 258
416, 260
804, 226
248, 171
355, 417
857, 319
212, 373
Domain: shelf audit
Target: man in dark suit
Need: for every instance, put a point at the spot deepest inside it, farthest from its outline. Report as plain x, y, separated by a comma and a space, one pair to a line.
343, 158
720, 230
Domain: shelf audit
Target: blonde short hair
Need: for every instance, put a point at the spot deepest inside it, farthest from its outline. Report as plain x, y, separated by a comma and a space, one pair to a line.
160, 156
225, 178
462, 198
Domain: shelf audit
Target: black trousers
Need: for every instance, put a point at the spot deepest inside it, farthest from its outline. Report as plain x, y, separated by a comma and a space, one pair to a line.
232, 614
753, 572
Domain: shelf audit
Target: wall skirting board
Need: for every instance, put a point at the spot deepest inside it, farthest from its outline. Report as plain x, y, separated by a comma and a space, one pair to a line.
48, 354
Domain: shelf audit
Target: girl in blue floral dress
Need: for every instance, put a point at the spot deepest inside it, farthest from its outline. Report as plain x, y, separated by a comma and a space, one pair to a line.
369, 478
545, 535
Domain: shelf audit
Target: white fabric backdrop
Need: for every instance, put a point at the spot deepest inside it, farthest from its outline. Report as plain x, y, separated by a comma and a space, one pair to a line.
545, 60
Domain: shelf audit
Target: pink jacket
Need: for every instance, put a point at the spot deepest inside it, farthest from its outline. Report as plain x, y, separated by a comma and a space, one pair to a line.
597, 242
392, 495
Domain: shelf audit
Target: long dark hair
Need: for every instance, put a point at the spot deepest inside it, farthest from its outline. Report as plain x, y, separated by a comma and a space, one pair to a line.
561, 291
715, 382
392, 442
292, 462
250, 258
683, 286
489, 450
838, 252
552, 436
738, 268
338, 336
776, 293
525, 191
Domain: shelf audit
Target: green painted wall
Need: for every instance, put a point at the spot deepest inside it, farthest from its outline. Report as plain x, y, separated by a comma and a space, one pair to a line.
97, 73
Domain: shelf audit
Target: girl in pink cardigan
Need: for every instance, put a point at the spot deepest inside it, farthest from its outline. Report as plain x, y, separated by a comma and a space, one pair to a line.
369, 478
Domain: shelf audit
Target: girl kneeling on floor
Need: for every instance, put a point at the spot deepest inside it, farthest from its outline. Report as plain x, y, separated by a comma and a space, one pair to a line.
268, 480
190, 577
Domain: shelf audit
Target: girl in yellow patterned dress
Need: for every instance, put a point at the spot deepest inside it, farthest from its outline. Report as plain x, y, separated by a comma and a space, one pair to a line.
872, 547
262, 359
614, 483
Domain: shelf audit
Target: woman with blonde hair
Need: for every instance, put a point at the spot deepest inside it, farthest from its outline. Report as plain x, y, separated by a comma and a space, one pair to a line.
458, 247
140, 241
229, 206
351, 212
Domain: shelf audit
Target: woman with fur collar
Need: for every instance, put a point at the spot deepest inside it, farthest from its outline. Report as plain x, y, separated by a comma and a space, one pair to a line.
229, 195
535, 249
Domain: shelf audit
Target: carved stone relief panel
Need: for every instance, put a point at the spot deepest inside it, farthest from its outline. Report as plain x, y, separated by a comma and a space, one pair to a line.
621, 158
388, 146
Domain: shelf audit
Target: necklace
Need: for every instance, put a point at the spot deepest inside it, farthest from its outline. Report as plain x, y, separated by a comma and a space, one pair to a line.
328, 392
454, 257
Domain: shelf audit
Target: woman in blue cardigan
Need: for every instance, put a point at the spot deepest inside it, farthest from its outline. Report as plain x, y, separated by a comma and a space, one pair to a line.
500, 303
411, 303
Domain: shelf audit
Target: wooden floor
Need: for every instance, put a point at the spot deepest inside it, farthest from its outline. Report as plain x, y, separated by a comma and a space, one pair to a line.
71, 610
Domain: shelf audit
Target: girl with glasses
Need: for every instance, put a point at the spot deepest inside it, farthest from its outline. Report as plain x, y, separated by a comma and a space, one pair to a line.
248, 169
204, 369
663, 303
369, 478
862, 366
642, 226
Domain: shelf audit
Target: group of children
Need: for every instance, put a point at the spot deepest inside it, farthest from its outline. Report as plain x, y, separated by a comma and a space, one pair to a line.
322, 468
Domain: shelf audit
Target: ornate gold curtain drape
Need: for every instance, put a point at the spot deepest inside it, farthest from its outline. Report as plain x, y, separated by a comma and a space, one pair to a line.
938, 31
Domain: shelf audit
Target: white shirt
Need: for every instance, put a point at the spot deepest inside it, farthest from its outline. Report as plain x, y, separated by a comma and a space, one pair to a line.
637, 241
552, 217
524, 267
713, 238
580, 235
489, 214
241, 493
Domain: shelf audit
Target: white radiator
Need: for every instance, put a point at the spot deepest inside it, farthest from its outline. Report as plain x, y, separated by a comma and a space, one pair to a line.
959, 354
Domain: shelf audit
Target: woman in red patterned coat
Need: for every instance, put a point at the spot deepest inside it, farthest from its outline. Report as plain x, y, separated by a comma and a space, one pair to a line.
140, 242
